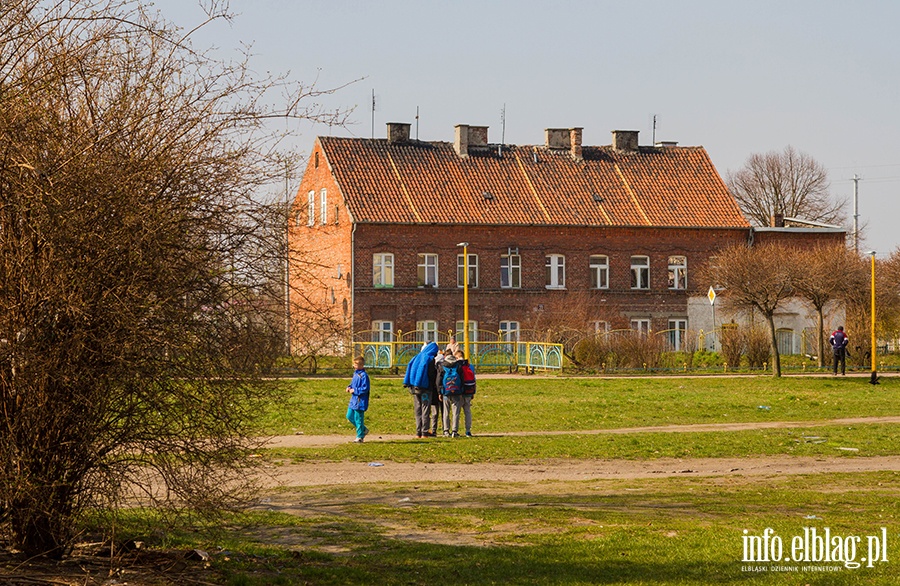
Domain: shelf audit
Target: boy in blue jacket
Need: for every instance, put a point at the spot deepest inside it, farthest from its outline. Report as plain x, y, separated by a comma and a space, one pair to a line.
359, 399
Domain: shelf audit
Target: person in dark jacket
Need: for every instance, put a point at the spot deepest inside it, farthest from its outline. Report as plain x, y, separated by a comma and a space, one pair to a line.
437, 404
419, 379
839, 341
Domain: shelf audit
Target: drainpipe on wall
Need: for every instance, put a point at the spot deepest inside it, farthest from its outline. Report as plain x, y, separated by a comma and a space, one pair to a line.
352, 283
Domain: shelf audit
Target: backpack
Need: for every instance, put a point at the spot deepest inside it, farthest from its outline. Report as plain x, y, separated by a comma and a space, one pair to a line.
468, 377
452, 381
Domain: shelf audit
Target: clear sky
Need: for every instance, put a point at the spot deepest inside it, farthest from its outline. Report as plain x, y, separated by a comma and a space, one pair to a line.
735, 77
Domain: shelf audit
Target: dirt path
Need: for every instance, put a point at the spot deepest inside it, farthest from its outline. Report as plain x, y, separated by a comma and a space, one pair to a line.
310, 441
337, 473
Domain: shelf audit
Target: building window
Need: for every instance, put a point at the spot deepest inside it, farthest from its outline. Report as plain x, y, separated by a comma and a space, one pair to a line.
428, 270
510, 271
677, 272
640, 272
311, 213
641, 326
383, 269
317, 159
382, 331
599, 271
427, 331
677, 329
509, 331
461, 270
556, 271
324, 205
601, 327
473, 332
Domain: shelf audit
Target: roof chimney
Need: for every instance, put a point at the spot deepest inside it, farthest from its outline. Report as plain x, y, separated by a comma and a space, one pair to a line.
575, 143
469, 136
397, 132
556, 138
666, 144
564, 138
777, 221
461, 142
625, 140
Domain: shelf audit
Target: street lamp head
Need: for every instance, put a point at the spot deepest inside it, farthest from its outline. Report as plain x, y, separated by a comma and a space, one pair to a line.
463, 244
872, 252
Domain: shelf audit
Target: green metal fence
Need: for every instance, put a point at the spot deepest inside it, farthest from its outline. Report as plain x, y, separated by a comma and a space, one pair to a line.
486, 349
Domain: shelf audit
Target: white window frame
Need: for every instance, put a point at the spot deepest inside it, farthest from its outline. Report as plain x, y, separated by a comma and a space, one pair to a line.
641, 325
599, 264
311, 209
323, 203
678, 272
677, 331
383, 269
556, 271
427, 331
461, 269
600, 326
382, 331
427, 274
640, 272
509, 331
511, 271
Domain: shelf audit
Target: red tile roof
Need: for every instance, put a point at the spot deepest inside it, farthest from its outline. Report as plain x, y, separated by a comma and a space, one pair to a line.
427, 182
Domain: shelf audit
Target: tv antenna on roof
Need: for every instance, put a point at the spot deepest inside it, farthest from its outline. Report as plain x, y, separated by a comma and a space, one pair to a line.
502, 130
373, 112
417, 123
654, 131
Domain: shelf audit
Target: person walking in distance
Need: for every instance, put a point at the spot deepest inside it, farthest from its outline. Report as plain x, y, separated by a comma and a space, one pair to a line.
839, 341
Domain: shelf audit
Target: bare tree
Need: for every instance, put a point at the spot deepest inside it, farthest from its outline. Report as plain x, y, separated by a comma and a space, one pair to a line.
130, 325
888, 292
566, 322
825, 275
758, 278
787, 183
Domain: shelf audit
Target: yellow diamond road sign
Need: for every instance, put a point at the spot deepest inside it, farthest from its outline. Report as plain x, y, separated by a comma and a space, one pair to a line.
712, 295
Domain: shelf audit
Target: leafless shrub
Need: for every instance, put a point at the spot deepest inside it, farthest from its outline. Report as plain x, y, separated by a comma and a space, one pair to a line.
733, 344
759, 348
133, 315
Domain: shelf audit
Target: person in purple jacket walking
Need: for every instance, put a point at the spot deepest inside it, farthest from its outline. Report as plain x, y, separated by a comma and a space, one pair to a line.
359, 399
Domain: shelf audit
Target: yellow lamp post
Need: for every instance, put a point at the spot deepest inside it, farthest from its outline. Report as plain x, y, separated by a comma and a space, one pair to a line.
465, 246
874, 379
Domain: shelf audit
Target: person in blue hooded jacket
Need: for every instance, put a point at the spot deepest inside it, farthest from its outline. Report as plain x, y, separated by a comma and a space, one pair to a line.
359, 388
419, 379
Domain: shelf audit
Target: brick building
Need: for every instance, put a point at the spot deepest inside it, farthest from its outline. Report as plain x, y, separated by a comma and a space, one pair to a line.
603, 236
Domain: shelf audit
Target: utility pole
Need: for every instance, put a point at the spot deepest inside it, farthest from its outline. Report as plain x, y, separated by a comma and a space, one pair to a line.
855, 213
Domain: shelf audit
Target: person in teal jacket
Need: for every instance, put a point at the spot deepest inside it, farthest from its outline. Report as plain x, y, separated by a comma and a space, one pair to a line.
359, 399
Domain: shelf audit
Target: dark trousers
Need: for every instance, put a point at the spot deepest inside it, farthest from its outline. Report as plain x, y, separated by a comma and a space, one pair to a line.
840, 357
437, 412
422, 410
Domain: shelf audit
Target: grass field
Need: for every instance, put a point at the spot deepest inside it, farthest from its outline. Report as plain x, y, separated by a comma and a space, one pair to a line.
318, 406
678, 530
